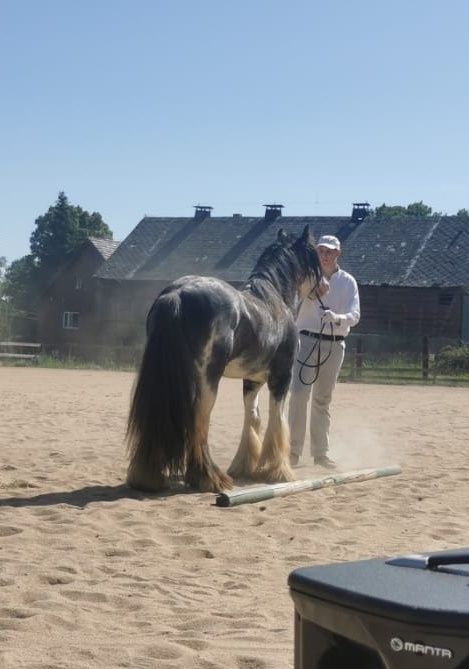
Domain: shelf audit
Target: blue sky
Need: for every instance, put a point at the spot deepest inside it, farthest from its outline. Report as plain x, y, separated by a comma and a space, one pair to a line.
137, 107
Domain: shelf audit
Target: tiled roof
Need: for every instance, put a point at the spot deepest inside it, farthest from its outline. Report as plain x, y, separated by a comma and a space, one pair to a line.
105, 247
226, 247
396, 251
432, 251
446, 258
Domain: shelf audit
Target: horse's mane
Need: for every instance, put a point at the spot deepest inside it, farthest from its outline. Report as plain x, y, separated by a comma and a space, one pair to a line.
281, 265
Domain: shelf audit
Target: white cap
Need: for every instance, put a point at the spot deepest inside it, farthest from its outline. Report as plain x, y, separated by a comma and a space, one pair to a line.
330, 242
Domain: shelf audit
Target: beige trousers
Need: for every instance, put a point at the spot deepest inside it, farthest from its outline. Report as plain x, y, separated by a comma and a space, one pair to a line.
331, 355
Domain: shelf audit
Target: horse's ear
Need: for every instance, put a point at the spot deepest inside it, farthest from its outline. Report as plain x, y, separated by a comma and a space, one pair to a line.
307, 237
282, 236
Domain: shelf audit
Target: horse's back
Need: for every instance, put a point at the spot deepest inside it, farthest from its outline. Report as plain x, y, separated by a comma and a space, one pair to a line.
234, 333
196, 302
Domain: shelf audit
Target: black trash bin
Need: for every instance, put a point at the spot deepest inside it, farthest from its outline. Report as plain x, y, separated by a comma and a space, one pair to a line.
397, 613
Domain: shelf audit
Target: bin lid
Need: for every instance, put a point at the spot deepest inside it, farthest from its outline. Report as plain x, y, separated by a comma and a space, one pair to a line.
429, 588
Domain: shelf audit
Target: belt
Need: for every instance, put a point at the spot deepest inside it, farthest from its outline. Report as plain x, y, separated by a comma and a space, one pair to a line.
319, 335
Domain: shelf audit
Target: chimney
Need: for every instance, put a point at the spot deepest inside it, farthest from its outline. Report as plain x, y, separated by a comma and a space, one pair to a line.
272, 212
359, 212
201, 212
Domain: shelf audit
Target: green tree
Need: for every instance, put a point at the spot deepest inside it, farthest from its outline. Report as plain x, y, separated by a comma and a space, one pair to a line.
61, 230
419, 209
6, 309
414, 210
58, 233
20, 284
385, 211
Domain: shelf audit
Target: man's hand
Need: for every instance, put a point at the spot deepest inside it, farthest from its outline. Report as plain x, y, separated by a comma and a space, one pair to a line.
331, 317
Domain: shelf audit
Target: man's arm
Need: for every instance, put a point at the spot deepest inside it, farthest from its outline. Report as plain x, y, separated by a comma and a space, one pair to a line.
352, 314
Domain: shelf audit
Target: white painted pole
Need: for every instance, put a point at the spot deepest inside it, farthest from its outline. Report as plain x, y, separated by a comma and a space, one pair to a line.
269, 491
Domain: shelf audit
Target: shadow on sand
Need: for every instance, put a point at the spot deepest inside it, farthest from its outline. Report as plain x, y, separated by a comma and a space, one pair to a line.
89, 494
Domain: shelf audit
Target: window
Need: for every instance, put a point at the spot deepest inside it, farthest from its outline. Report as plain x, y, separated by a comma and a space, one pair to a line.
78, 283
70, 320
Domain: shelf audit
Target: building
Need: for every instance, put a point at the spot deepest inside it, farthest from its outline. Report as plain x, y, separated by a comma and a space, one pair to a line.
160, 250
413, 273
67, 316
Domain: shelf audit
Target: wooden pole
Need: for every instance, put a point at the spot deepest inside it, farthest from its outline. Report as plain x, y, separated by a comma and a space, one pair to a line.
359, 356
425, 356
269, 491
353, 366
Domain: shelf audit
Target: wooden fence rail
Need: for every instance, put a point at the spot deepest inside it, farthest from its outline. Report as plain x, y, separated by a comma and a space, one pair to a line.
20, 350
361, 366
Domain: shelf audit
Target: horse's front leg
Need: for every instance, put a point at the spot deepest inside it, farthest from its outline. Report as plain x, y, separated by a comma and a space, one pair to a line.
245, 461
274, 463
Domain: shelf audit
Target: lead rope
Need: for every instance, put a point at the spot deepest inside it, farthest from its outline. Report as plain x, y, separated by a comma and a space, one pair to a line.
317, 345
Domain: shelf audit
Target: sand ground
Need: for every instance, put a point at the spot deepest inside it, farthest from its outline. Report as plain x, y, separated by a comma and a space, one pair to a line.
94, 575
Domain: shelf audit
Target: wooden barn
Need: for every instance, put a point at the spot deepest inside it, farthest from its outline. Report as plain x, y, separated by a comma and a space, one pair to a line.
413, 273
413, 276
67, 311
159, 250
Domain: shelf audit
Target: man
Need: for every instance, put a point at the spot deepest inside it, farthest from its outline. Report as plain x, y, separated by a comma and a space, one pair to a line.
323, 325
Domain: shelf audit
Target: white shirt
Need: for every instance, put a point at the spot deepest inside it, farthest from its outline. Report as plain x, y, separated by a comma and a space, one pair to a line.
342, 298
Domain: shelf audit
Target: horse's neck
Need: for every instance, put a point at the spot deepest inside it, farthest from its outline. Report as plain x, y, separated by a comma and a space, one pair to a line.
260, 283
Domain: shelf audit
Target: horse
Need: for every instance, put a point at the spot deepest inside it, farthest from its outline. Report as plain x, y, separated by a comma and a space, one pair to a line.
200, 329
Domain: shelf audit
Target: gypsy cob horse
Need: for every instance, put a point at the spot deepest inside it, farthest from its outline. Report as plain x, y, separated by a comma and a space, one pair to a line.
200, 329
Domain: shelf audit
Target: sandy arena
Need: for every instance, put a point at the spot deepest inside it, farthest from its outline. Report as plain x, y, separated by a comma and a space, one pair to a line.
95, 575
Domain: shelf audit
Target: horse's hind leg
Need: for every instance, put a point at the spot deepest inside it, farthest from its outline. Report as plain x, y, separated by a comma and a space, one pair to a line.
245, 461
201, 472
274, 463
141, 476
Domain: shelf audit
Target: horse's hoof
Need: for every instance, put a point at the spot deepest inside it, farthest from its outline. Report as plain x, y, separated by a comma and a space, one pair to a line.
242, 472
217, 483
281, 474
148, 485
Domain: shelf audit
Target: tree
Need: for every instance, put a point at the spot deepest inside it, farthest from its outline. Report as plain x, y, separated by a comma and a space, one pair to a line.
419, 209
5, 307
58, 233
20, 283
414, 210
384, 211
61, 230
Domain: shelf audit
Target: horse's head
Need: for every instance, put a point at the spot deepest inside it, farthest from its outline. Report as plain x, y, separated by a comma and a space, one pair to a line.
312, 283
291, 264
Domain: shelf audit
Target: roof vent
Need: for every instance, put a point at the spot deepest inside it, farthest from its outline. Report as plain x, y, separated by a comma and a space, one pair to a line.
202, 212
272, 211
360, 211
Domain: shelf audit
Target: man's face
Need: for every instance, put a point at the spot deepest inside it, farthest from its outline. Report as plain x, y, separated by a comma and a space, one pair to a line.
328, 258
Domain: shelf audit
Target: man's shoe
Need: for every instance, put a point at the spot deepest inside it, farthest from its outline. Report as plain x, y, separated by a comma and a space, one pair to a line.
294, 459
324, 461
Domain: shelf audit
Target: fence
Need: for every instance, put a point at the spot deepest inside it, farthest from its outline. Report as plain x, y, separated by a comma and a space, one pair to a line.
20, 350
368, 359
414, 363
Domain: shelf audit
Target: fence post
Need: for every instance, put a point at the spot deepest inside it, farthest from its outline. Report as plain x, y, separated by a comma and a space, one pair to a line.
359, 356
353, 366
425, 357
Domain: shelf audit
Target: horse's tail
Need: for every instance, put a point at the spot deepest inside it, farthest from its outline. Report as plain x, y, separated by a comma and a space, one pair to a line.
162, 414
